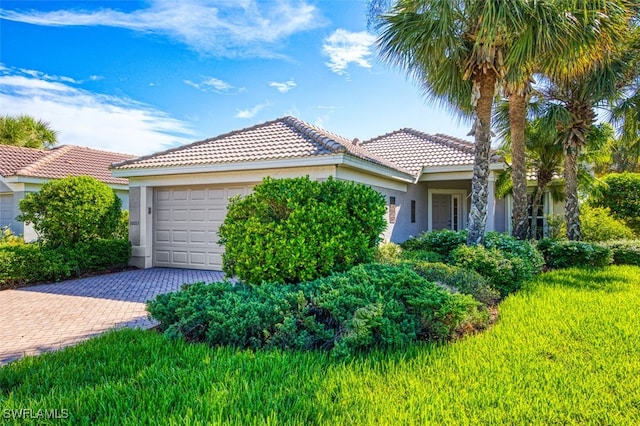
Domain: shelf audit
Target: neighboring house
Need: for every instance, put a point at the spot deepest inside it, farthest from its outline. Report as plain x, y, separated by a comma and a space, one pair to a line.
24, 170
178, 198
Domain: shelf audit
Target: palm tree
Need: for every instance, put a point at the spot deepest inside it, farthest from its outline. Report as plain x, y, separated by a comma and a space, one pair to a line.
26, 131
456, 50
607, 30
459, 51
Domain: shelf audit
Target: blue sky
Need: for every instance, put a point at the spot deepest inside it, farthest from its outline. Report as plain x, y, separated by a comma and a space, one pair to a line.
143, 76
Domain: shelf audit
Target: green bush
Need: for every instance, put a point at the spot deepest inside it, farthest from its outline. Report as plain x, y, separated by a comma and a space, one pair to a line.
30, 263
9, 238
625, 252
122, 230
514, 248
421, 255
369, 306
620, 192
597, 224
505, 274
442, 242
568, 254
456, 279
70, 210
388, 253
291, 230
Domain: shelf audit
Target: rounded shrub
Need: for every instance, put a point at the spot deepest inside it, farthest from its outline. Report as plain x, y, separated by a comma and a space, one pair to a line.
291, 230
568, 254
442, 242
71, 210
505, 274
512, 248
598, 224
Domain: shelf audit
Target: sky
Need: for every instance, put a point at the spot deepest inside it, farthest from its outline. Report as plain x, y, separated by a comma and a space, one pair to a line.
143, 76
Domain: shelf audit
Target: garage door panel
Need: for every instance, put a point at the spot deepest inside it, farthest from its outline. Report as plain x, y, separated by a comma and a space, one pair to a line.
198, 195
198, 215
198, 258
186, 222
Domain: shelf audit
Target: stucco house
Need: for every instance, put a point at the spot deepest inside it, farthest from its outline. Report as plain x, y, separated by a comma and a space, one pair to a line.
178, 198
24, 170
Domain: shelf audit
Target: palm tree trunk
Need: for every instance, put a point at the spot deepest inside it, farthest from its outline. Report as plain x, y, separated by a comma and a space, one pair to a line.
517, 112
486, 80
571, 206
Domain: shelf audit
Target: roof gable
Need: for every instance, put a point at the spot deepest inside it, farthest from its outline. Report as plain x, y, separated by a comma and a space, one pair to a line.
280, 139
414, 150
60, 162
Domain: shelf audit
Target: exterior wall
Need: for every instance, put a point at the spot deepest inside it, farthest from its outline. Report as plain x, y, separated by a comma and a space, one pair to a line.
402, 228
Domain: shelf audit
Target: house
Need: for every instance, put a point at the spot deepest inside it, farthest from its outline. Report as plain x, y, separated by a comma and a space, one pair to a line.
24, 170
178, 198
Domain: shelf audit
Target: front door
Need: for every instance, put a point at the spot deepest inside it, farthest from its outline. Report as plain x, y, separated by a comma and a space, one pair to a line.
441, 210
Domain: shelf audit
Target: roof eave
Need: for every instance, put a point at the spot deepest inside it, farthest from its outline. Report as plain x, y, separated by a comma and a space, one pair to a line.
320, 160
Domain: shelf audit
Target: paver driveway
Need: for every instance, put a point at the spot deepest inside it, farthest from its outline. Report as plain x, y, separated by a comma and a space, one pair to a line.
50, 316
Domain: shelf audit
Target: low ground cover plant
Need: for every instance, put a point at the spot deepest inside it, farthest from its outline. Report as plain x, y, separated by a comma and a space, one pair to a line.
292, 230
369, 306
563, 352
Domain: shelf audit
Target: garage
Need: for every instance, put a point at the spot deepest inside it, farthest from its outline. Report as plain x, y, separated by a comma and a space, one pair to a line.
185, 223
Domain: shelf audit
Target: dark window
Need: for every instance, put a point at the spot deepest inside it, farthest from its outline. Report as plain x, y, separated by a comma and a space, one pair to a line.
413, 211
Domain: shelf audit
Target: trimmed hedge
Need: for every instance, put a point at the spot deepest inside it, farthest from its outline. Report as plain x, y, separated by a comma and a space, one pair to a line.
568, 254
369, 306
625, 252
30, 263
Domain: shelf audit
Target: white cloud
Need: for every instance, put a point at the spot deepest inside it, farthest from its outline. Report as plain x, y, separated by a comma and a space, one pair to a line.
211, 84
283, 87
344, 47
251, 112
90, 119
95, 77
216, 27
48, 77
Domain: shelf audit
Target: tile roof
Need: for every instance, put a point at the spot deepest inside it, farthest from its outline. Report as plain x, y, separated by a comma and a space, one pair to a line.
283, 138
414, 150
60, 162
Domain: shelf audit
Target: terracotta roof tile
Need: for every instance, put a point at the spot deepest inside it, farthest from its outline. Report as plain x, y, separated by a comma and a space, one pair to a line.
414, 150
60, 162
283, 138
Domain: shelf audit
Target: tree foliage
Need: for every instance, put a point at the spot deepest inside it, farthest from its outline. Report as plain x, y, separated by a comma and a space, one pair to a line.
72, 210
291, 230
620, 192
26, 131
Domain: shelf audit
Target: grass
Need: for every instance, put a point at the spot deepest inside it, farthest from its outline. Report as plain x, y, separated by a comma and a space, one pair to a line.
566, 350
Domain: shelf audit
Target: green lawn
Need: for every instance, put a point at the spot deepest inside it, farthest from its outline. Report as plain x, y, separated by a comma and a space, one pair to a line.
566, 350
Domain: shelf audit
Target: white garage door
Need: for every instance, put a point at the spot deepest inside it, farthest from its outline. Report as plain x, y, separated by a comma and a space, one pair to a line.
6, 210
186, 221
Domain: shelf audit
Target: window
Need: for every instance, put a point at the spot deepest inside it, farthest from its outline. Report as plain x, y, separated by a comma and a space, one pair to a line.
413, 211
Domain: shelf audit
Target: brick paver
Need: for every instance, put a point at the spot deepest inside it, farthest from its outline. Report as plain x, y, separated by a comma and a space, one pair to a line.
47, 317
